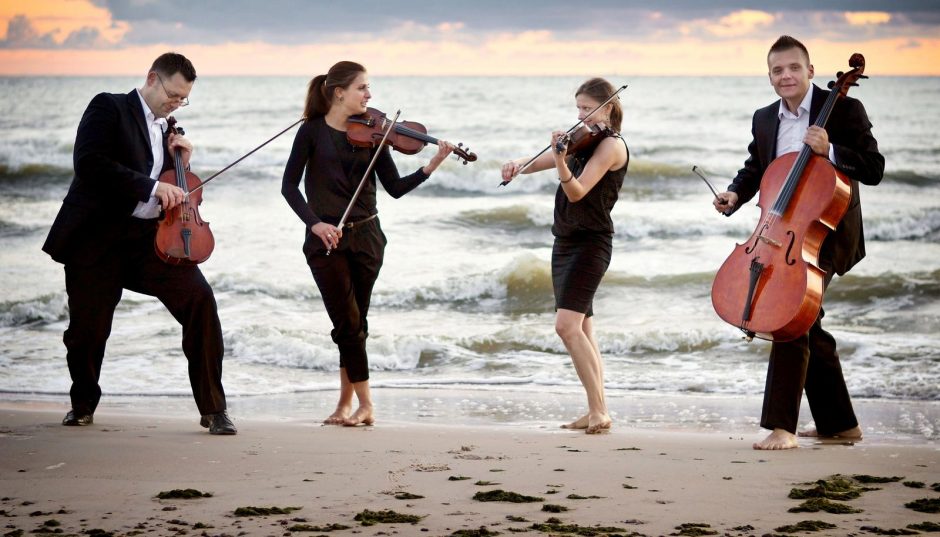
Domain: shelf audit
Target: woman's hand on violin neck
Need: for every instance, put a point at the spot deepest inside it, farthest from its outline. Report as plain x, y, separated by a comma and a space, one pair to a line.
328, 233
556, 137
444, 148
169, 195
175, 141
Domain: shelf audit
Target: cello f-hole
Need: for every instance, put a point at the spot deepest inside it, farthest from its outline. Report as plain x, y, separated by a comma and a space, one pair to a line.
790, 261
751, 248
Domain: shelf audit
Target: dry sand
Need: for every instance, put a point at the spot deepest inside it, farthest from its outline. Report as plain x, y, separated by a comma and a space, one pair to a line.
73, 480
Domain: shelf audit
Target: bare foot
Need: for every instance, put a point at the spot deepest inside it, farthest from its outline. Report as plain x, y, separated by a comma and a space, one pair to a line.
338, 416
598, 424
580, 423
855, 433
778, 439
362, 416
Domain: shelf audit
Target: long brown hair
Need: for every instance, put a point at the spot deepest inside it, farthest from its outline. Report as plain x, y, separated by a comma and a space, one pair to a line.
320, 90
600, 90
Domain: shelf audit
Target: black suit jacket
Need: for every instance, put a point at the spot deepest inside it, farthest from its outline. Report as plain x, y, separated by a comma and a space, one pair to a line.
857, 157
112, 160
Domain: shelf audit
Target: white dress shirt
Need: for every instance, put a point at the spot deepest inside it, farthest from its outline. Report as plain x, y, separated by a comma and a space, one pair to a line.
156, 127
793, 127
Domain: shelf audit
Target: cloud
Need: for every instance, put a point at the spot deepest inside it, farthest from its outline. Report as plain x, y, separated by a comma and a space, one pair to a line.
22, 34
740, 23
864, 18
60, 24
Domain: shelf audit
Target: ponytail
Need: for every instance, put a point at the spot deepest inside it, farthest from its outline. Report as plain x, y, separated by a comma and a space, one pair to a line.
317, 103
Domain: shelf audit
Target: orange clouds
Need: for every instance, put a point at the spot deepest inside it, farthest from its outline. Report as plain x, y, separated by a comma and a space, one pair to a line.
864, 18
75, 37
52, 23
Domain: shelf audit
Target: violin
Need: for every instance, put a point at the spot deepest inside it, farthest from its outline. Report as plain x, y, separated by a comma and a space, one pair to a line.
408, 137
183, 237
576, 128
586, 138
772, 286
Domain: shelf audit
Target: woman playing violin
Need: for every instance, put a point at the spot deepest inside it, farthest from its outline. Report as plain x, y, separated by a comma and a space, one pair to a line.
345, 261
590, 181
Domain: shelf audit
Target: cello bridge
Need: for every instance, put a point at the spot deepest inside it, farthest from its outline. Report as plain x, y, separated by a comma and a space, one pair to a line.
770, 241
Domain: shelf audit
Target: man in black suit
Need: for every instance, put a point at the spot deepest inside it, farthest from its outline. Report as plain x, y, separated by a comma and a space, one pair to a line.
811, 361
104, 235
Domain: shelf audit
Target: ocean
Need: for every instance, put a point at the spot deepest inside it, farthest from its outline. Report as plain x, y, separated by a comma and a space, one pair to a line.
464, 300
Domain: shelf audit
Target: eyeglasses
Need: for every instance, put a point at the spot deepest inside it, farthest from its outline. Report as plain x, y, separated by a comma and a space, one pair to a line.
184, 101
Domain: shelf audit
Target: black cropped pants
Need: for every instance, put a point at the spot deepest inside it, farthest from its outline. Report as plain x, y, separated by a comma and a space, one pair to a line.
345, 279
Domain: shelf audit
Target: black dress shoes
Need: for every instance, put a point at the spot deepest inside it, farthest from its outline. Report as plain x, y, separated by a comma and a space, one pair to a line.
218, 423
73, 419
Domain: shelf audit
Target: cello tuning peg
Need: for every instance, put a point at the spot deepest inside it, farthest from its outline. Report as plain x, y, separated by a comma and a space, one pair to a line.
863, 76
839, 74
831, 84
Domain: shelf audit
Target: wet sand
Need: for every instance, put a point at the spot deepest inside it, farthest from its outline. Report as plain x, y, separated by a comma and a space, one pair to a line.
631, 481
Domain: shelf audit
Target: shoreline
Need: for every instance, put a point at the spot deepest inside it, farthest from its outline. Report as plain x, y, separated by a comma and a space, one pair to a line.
106, 476
530, 408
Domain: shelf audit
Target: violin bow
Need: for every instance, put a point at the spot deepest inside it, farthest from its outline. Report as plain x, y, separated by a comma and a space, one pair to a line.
365, 175
246, 155
569, 131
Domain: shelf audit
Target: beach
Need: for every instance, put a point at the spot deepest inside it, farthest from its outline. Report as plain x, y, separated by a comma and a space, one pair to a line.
104, 479
469, 377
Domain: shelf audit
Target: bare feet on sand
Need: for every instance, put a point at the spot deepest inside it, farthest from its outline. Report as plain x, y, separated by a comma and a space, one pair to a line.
855, 433
778, 439
591, 424
580, 423
339, 416
362, 416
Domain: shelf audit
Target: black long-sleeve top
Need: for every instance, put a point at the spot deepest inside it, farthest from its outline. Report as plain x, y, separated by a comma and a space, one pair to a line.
332, 169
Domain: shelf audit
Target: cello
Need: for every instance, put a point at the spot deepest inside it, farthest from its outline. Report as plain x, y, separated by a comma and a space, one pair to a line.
183, 237
802, 198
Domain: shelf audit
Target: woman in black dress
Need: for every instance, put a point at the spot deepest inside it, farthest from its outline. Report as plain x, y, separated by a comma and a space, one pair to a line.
590, 182
332, 169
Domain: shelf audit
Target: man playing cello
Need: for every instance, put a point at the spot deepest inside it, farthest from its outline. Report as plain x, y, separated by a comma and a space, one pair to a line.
810, 361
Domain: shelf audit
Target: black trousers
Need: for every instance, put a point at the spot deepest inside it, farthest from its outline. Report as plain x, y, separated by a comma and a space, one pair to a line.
94, 292
345, 279
809, 362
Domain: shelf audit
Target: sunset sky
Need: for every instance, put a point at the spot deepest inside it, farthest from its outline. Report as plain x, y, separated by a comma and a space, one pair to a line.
472, 37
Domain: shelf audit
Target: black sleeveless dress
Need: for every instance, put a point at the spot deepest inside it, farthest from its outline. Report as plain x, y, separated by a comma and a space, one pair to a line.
584, 237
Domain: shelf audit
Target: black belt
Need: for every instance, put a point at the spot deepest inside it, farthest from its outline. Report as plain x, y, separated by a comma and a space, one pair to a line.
350, 225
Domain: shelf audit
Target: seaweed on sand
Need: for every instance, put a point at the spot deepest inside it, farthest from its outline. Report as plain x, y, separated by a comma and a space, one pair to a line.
691, 529
863, 478
265, 511
182, 494
834, 488
499, 495
806, 525
327, 528
814, 505
554, 525
387, 516
925, 505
